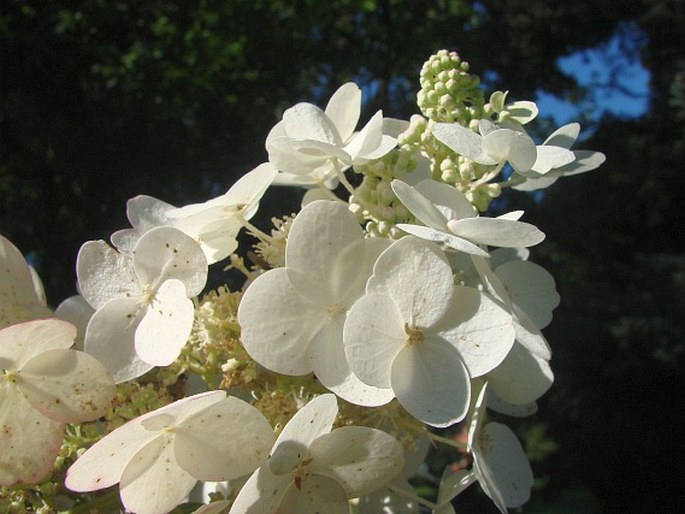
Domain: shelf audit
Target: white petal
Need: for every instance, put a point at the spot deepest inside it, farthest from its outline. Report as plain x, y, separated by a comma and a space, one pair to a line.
104, 274
262, 493
485, 337
436, 236
367, 140
327, 357
451, 202
418, 277
344, 108
30, 442
453, 483
166, 252
77, 311
361, 459
551, 157
284, 156
67, 386
224, 441
522, 111
532, 288
306, 121
522, 377
102, 465
503, 466
153, 482
385, 145
419, 205
315, 495
523, 410
564, 136
586, 160
110, 339
311, 421
373, 334
21, 342
533, 184
166, 325
497, 231
249, 188
432, 383
462, 140
530, 336
277, 323
144, 212
510, 145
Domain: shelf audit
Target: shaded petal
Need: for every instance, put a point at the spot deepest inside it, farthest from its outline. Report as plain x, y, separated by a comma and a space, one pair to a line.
551, 157
166, 325
436, 236
306, 121
511, 145
344, 109
262, 493
451, 202
497, 231
361, 459
315, 495
67, 386
110, 338
153, 482
373, 334
367, 140
522, 377
462, 140
144, 212
419, 205
564, 136
248, 189
311, 421
77, 311
21, 342
432, 383
283, 155
30, 442
243, 445
586, 160
278, 323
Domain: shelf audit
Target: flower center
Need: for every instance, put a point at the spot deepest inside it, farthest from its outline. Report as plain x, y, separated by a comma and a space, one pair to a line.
415, 335
334, 310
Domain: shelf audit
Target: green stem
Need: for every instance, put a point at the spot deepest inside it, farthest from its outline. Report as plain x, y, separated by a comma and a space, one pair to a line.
446, 440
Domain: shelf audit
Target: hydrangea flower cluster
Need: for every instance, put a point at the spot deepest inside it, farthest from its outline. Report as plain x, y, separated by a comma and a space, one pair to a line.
373, 323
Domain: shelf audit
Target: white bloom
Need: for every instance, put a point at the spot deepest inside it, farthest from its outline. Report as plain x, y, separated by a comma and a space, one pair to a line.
143, 309
43, 385
309, 146
215, 224
496, 145
292, 318
315, 470
449, 218
416, 332
451, 485
499, 462
21, 293
77, 311
584, 160
144, 213
157, 458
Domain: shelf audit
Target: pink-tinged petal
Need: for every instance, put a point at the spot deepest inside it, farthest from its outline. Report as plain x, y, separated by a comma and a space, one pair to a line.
104, 274
21, 342
277, 323
243, 445
432, 383
361, 459
30, 442
67, 385
344, 109
327, 356
166, 325
110, 338
315, 495
305, 121
373, 334
496, 231
153, 482
21, 296
262, 493
166, 252
522, 377
103, 464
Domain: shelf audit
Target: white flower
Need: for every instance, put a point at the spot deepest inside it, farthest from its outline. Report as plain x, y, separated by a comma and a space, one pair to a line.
144, 213
496, 145
451, 485
315, 470
584, 160
21, 293
143, 309
449, 218
43, 385
309, 146
292, 318
215, 224
77, 311
499, 462
416, 332
157, 458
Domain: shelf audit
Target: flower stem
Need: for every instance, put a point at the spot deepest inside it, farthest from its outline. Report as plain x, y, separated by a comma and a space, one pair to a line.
406, 494
446, 440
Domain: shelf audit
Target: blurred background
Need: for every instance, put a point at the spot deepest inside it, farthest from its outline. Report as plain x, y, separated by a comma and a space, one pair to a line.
101, 100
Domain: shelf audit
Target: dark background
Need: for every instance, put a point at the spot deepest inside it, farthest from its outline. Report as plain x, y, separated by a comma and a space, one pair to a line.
103, 100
